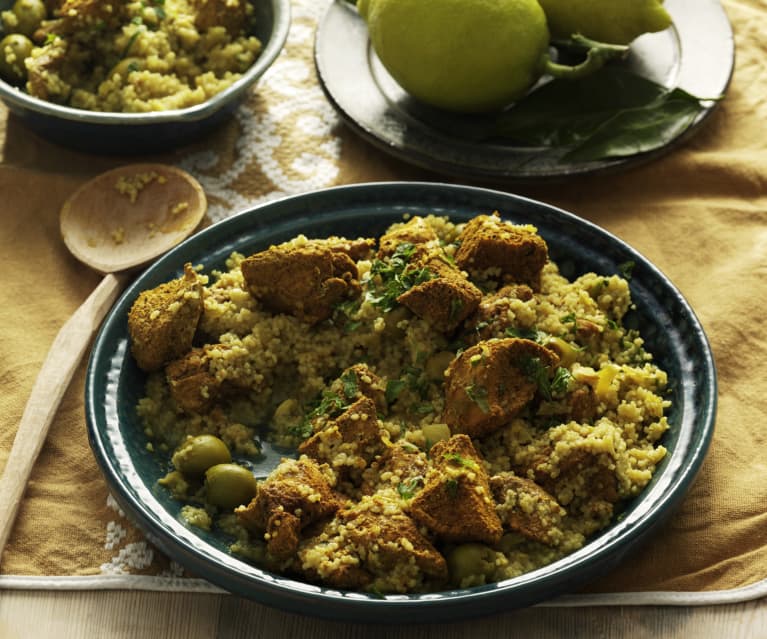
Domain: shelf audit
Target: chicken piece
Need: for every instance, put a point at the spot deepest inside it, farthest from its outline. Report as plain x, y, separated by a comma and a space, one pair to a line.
297, 493
414, 231
391, 539
444, 300
162, 321
350, 441
575, 473
490, 383
193, 382
402, 465
359, 381
307, 281
582, 403
491, 319
83, 16
456, 503
44, 80
585, 464
377, 545
231, 14
357, 249
528, 509
487, 242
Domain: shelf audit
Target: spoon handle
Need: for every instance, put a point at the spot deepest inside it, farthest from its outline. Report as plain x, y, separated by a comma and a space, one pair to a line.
62, 361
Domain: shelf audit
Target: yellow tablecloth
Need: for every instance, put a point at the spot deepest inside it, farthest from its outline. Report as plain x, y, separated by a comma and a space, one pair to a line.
698, 214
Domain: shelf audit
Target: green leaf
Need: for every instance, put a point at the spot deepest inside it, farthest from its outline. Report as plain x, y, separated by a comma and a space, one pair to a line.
393, 388
562, 112
638, 130
612, 113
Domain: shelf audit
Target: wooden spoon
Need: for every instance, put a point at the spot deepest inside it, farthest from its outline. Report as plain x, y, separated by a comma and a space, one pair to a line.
117, 221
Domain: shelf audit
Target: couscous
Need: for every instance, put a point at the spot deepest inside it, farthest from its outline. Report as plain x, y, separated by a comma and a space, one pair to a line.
460, 412
127, 56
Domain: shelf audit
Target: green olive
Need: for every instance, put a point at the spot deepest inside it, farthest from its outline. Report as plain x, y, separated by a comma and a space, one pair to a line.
229, 485
29, 15
14, 49
471, 564
288, 413
199, 453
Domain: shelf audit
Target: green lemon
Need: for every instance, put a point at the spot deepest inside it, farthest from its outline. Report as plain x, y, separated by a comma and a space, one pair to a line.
614, 21
460, 55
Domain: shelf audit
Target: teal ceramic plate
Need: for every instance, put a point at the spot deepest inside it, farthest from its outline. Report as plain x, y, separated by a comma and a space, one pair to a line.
697, 54
114, 385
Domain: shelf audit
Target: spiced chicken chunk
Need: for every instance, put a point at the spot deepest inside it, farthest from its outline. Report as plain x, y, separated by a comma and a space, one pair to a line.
296, 494
162, 321
306, 281
456, 504
487, 242
488, 384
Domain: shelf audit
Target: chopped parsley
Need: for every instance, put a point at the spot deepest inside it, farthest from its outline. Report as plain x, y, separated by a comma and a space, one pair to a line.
350, 384
451, 486
459, 460
330, 404
397, 276
523, 333
407, 488
424, 408
626, 269
478, 394
456, 306
393, 388
538, 373
302, 431
411, 378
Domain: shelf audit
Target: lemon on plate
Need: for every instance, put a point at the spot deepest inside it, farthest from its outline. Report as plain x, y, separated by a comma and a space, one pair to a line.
615, 21
471, 56
459, 55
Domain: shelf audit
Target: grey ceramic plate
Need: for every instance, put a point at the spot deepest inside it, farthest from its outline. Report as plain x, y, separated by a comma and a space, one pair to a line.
697, 54
114, 384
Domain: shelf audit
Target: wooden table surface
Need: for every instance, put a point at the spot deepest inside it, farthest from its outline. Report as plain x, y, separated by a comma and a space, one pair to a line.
142, 615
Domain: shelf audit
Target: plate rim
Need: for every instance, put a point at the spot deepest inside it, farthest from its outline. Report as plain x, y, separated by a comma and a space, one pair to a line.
296, 596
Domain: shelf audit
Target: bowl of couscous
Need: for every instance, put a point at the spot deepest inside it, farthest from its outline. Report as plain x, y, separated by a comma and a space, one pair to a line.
401, 402
130, 77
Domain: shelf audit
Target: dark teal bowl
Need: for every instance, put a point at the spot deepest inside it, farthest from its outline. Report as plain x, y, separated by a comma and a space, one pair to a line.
114, 385
133, 133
